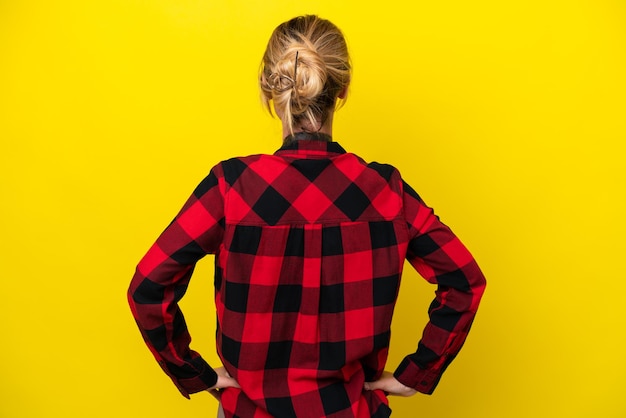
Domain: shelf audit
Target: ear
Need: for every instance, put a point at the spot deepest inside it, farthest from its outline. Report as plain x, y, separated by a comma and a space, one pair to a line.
343, 93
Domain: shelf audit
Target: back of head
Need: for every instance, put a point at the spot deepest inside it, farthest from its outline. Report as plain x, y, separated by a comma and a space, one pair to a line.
305, 67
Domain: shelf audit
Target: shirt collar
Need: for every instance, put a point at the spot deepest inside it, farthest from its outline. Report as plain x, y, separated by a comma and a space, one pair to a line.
310, 148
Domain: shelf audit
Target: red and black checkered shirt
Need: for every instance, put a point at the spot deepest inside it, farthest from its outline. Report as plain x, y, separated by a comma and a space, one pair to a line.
309, 247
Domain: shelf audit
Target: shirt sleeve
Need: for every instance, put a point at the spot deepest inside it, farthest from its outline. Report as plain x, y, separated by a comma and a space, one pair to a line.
440, 257
161, 279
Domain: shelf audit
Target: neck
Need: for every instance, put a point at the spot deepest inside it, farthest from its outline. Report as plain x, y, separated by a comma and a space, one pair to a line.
326, 128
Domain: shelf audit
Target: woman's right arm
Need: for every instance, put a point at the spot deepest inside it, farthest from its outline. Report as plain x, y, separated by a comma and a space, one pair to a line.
161, 279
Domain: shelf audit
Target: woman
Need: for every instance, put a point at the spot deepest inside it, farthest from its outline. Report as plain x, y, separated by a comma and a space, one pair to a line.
309, 247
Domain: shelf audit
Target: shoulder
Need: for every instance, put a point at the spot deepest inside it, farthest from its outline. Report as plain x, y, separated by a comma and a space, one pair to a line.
226, 171
387, 171
231, 169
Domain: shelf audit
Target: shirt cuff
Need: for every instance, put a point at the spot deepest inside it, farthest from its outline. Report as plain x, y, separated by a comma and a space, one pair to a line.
206, 378
422, 380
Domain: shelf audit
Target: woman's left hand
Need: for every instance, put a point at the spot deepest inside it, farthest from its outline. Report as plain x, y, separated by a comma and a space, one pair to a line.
390, 385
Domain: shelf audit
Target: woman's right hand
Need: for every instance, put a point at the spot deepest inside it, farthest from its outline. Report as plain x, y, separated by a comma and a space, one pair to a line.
223, 381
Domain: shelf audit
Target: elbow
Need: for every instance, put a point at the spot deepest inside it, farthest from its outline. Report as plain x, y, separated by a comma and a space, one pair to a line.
478, 290
131, 300
481, 283
133, 287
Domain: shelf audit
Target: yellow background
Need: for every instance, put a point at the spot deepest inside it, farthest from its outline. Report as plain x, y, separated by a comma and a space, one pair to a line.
507, 116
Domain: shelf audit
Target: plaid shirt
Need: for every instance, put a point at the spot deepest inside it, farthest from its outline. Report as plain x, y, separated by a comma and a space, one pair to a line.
309, 247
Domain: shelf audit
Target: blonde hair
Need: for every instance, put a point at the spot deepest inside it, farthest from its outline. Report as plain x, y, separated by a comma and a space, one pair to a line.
305, 67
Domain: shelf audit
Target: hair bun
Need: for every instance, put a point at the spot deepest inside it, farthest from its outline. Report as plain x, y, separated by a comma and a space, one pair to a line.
280, 83
305, 67
302, 71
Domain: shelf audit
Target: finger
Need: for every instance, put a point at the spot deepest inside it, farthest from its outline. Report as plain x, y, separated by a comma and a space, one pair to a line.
373, 385
232, 383
226, 382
